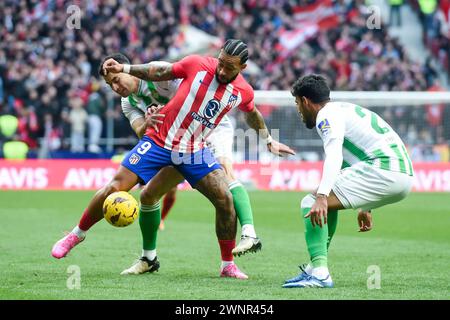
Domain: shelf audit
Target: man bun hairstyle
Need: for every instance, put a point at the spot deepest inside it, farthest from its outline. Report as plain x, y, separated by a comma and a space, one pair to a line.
119, 57
313, 86
236, 47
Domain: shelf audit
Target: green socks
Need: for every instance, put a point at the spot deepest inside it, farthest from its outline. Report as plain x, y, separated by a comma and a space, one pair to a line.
150, 216
316, 241
241, 202
149, 219
332, 224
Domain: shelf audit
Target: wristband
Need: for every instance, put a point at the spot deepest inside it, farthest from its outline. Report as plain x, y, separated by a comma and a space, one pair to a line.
126, 68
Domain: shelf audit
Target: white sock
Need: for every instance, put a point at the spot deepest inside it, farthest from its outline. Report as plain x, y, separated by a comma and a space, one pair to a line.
309, 269
248, 230
225, 264
78, 232
320, 272
149, 254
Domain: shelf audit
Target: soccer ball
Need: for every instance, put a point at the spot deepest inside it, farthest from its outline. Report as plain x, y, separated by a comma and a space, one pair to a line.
120, 209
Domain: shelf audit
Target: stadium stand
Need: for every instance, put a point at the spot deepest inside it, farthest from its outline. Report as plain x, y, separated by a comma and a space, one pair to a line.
48, 71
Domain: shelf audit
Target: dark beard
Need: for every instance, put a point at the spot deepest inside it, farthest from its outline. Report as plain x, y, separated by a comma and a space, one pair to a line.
227, 82
310, 124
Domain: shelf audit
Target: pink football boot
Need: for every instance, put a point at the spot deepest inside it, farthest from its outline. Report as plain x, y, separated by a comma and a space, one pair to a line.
63, 246
232, 271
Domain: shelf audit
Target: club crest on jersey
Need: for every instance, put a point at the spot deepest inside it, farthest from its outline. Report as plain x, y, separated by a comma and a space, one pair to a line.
324, 126
211, 109
134, 158
231, 101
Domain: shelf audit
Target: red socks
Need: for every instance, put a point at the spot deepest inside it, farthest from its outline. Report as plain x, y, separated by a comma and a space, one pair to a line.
226, 246
86, 221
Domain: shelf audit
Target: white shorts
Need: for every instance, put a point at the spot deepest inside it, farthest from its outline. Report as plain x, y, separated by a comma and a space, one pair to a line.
367, 187
220, 141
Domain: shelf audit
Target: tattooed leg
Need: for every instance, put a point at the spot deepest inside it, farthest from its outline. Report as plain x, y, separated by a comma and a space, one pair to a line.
215, 188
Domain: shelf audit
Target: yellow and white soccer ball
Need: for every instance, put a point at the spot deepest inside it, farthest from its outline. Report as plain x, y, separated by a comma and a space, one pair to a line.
120, 209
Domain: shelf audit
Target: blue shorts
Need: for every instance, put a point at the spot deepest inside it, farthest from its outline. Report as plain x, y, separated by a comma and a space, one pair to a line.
147, 158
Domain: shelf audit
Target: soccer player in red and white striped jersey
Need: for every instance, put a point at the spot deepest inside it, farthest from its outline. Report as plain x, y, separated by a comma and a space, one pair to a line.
210, 88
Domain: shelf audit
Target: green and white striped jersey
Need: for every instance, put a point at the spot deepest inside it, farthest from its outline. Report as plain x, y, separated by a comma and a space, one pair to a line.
159, 92
365, 137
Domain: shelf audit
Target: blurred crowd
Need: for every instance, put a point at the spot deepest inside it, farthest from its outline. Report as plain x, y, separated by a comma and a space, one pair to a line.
352, 56
435, 19
49, 61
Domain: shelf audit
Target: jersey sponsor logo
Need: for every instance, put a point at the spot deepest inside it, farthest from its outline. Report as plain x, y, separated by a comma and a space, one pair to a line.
202, 120
134, 158
324, 126
211, 109
231, 101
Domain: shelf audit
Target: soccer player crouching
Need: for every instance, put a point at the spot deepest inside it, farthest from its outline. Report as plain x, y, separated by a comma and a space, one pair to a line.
376, 171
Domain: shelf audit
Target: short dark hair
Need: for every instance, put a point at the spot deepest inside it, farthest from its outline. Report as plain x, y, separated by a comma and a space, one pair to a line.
235, 47
119, 57
313, 86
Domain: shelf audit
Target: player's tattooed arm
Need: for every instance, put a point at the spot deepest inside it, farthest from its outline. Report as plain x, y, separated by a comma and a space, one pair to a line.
152, 71
256, 121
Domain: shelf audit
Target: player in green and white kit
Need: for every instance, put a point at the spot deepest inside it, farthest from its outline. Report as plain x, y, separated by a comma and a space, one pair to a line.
366, 166
135, 106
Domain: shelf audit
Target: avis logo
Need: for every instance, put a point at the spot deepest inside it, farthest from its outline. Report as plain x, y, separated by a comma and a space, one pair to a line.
211, 109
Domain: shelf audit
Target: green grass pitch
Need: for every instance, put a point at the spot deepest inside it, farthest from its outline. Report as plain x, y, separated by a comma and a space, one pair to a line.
410, 243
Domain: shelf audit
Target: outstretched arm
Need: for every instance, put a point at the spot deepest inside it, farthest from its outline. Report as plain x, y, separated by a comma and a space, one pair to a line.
153, 71
256, 121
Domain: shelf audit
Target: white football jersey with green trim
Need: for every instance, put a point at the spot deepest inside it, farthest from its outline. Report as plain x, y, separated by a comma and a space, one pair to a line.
365, 137
149, 93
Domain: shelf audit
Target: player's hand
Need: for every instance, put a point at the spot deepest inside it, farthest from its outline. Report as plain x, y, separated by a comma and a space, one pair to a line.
153, 117
279, 149
112, 65
365, 222
318, 210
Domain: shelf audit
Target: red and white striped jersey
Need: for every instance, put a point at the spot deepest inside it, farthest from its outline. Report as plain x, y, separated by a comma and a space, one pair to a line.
199, 104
